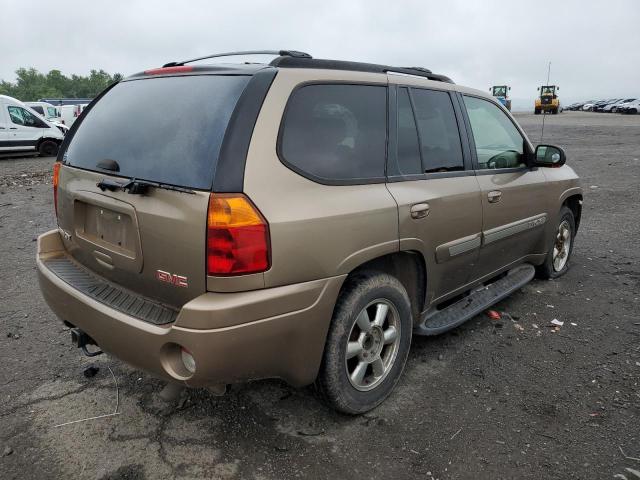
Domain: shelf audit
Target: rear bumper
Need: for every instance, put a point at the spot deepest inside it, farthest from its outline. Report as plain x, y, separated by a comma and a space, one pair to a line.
278, 332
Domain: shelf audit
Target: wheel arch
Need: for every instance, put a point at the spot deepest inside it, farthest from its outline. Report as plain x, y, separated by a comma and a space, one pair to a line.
409, 267
574, 203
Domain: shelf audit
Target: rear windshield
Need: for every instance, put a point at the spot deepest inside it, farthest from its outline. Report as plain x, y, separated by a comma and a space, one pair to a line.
165, 129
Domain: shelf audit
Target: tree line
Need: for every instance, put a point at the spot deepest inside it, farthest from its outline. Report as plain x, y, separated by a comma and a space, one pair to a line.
32, 85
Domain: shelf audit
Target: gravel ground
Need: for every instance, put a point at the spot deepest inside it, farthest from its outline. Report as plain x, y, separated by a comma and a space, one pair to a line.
500, 400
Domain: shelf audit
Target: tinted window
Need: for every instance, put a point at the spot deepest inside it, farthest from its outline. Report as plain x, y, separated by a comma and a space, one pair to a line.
51, 112
38, 109
408, 150
498, 142
438, 131
167, 130
336, 132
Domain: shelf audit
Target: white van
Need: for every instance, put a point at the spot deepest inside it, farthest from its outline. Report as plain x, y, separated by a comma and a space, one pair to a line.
46, 110
69, 113
22, 129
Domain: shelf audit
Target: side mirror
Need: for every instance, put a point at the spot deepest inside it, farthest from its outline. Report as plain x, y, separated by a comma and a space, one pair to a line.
549, 156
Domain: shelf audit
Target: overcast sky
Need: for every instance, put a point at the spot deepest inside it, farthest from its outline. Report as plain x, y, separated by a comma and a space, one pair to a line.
594, 46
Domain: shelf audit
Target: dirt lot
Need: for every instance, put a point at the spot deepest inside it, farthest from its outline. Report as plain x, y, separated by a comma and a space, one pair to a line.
490, 400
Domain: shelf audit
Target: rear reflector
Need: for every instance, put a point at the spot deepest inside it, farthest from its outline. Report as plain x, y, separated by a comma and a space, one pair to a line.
237, 236
188, 361
165, 70
55, 179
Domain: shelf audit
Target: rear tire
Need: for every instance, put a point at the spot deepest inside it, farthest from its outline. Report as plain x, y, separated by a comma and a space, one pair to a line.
537, 111
48, 148
556, 263
367, 344
555, 111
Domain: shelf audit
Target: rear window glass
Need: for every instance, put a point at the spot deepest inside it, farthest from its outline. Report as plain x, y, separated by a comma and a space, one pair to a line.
438, 129
336, 132
38, 109
166, 129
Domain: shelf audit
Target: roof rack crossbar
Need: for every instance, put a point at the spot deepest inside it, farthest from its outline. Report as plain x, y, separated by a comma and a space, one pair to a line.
280, 53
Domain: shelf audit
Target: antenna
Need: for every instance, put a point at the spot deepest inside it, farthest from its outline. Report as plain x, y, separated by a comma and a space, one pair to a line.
544, 112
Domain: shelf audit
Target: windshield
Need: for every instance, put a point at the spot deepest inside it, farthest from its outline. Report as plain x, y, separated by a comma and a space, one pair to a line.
166, 129
499, 91
547, 90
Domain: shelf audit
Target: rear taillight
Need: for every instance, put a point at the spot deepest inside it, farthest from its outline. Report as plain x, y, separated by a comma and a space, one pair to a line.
237, 236
56, 176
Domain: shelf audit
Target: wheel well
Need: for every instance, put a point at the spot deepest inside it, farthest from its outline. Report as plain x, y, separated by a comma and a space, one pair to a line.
409, 268
44, 139
575, 205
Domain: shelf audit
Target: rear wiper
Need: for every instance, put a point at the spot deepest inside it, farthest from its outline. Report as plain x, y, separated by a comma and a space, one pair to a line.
138, 187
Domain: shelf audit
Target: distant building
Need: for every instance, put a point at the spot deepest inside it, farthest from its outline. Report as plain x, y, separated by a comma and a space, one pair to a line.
66, 101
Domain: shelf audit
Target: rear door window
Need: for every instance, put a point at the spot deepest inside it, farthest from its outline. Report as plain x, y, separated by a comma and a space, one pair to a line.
336, 133
408, 149
165, 129
438, 131
38, 109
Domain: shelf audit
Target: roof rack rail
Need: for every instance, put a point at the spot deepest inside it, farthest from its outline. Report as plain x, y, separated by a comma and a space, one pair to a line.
304, 62
279, 53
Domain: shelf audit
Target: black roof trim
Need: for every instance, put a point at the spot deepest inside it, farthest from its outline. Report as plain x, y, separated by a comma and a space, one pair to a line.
300, 62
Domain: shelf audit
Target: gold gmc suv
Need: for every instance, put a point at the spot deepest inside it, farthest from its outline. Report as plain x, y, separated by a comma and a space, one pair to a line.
300, 219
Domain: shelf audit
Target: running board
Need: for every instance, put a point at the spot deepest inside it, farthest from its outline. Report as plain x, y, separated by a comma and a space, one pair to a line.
439, 321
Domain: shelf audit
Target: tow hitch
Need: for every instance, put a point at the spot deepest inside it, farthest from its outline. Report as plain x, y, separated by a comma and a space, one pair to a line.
80, 339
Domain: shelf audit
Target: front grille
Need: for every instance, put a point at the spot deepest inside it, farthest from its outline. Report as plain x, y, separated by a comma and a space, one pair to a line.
546, 100
109, 294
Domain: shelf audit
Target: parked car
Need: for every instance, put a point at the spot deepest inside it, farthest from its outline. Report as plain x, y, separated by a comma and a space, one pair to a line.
588, 105
614, 107
598, 107
23, 130
300, 219
632, 107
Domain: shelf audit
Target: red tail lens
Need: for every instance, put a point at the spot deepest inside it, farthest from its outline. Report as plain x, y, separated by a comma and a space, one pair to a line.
163, 70
237, 236
56, 175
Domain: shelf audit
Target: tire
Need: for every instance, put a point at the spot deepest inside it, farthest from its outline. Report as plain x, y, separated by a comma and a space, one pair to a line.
353, 385
551, 269
633, 111
554, 111
48, 148
537, 111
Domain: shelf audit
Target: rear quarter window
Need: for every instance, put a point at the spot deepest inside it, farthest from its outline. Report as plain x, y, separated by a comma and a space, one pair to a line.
336, 133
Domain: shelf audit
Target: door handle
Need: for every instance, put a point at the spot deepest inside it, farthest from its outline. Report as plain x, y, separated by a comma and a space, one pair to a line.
13, 128
419, 210
494, 196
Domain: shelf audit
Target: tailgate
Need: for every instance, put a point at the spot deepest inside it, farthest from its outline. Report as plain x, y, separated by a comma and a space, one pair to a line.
152, 244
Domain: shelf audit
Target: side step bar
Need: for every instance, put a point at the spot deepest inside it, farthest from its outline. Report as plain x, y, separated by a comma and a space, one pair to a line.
440, 321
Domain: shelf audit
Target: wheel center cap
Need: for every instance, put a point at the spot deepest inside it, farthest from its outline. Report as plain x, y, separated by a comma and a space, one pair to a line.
372, 343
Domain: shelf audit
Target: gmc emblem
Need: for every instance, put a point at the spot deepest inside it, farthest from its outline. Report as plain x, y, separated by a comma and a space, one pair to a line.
173, 279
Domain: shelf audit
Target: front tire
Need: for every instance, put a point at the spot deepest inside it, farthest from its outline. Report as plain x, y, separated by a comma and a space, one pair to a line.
556, 263
48, 148
367, 344
536, 111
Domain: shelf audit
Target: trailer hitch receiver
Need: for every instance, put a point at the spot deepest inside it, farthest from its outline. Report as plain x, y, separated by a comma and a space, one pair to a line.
80, 339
